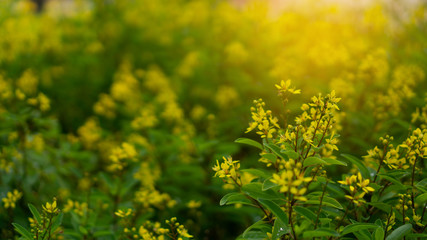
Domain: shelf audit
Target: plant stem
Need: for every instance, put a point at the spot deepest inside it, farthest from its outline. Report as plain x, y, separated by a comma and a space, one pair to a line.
290, 215
412, 184
320, 206
260, 207
342, 219
424, 211
388, 222
403, 210
48, 227
381, 162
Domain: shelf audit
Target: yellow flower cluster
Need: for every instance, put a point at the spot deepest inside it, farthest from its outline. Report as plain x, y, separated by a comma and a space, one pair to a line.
155, 231
404, 155
24, 91
105, 106
147, 174
390, 222
128, 96
28, 83
90, 133
401, 88
228, 170
415, 146
194, 204
11, 198
36, 142
226, 97
315, 126
188, 64
357, 183
125, 87
80, 208
285, 87
124, 213
41, 101
263, 120
146, 119
179, 228
51, 208
158, 83
42, 225
377, 156
153, 198
291, 180
119, 155
236, 54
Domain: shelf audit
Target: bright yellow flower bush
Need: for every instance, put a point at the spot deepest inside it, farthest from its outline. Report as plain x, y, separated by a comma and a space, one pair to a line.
299, 197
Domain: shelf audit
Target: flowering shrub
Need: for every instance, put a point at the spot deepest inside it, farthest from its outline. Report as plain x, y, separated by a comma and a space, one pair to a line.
299, 196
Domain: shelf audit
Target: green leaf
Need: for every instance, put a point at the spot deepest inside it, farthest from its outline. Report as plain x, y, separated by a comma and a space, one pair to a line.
253, 235
362, 168
320, 232
421, 199
258, 225
379, 234
313, 161
332, 201
83, 230
233, 198
255, 190
268, 184
327, 201
417, 235
379, 223
400, 232
307, 213
250, 142
108, 181
57, 221
270, 156
362, 235
103, 233
331, 161
35, 213
357, 227
23, 231
127, 186
256, 172
325, 221
279, 229
275, 209
291, 154
380, 205
395, 181
277, 150
422, 185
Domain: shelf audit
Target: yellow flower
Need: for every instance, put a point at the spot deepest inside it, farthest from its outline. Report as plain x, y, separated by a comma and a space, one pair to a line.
356, 183
122, 213
11, 199
263, 120
291, 180
51, 207
183, 232
228, 168
285, 87
194, 204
